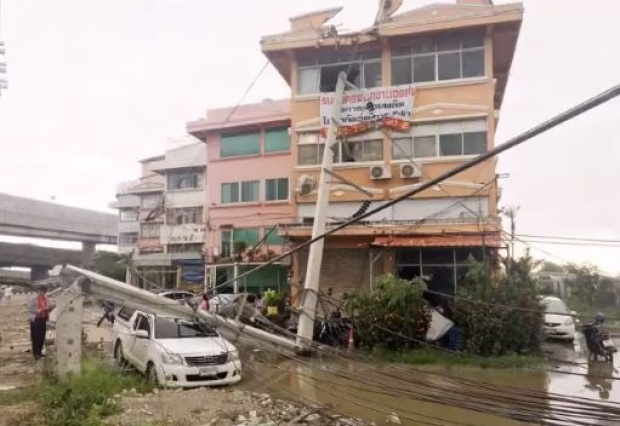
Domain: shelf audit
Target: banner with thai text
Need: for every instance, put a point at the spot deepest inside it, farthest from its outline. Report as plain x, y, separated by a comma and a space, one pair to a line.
365, 110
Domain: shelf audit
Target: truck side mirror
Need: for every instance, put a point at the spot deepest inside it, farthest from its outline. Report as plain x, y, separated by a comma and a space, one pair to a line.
142, 334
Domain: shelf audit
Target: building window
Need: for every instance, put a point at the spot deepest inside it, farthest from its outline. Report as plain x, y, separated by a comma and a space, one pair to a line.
273, 239
235, 240
184, 180
185, 248
127, 238
449, 57
445, 139
359, 151
128, 215
240, 192
319, 72
276, 189
151, 201
150, 230
240, 144
277, 140
185, 215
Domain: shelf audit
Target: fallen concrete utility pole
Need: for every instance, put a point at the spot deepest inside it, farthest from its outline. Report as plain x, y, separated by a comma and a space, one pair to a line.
305, 332
105, 288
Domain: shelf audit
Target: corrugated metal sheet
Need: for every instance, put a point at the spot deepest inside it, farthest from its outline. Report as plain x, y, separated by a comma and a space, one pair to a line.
439, 241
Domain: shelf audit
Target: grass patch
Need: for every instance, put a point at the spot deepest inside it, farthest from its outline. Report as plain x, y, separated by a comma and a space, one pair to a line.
86, 399
16, 396
433, 356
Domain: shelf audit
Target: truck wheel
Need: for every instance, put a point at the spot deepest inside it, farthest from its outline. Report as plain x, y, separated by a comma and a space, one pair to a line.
118, 354
151, 375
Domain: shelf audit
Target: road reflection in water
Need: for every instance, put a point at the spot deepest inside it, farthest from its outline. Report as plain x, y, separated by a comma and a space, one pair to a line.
410, 394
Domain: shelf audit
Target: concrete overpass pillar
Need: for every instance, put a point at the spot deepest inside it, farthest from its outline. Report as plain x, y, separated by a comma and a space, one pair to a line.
39, 272
88, 252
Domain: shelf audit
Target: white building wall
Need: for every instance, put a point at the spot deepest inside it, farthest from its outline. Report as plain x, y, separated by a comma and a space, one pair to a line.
450, 208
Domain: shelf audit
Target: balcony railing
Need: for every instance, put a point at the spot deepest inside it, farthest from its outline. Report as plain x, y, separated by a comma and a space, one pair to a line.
307, 222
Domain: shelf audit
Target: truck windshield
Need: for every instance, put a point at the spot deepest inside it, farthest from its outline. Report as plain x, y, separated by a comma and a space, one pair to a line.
173, 328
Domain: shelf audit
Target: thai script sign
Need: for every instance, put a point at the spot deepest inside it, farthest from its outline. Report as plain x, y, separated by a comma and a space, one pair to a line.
183, 234
365, 110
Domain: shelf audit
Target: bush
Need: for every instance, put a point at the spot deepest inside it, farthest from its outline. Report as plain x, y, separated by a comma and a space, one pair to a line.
490, 328
395, 305
83, 400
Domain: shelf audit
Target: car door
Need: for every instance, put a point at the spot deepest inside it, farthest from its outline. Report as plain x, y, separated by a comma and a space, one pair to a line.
140, 346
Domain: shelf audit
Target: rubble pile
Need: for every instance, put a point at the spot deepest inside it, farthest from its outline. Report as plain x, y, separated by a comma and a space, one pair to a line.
215, 407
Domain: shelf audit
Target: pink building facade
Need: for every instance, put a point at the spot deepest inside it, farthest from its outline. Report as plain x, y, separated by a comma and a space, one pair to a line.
249, 192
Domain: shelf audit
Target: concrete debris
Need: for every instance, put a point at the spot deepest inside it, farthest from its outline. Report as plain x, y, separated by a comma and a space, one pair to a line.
210, 407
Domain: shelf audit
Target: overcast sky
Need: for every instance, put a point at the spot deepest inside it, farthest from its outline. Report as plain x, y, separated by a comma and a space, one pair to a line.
96, 85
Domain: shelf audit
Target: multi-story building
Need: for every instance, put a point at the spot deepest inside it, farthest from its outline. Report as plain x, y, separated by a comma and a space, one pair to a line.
249, 192
430, 84
161, 219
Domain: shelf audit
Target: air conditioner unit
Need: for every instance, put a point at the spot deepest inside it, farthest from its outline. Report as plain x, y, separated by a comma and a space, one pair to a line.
409, 171
380, 172
305, 185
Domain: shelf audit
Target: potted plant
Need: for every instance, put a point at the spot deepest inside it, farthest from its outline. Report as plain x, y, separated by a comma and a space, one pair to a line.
270, 302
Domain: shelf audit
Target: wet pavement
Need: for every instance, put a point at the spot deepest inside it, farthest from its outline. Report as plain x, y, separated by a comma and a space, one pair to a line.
369, 394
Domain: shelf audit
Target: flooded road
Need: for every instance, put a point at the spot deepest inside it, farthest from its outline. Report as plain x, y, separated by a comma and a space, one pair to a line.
401, 394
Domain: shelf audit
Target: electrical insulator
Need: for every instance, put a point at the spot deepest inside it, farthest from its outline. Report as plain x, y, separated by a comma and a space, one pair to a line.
363, 208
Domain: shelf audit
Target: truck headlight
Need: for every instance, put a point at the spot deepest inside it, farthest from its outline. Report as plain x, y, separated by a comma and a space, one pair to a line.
233, 356
568, 321
168, 358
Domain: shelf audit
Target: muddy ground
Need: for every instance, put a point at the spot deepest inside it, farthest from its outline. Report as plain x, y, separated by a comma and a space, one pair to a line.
204, 406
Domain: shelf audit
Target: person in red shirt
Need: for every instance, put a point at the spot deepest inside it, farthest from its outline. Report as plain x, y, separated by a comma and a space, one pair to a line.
39, 309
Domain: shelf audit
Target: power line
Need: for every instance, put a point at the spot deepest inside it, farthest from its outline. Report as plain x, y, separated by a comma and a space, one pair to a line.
523, 137
597, 240
252, 83
572, 243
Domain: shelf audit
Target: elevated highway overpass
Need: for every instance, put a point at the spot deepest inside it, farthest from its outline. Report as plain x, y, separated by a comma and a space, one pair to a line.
25, 217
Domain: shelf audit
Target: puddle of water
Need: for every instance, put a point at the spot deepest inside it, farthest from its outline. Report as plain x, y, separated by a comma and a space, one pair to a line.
367, 396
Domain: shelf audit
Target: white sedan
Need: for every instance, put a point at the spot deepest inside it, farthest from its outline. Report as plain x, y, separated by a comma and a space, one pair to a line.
559, 320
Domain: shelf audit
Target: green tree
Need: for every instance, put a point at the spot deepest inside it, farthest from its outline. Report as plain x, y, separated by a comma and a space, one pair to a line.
586, 282
547, 266
394, 315
483, 310
113, 265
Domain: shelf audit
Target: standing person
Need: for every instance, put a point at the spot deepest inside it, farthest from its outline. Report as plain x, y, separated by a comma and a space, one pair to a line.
39, 309
259, 302
204, 303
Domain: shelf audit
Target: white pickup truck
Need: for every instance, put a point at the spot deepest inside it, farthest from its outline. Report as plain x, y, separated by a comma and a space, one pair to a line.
174, 352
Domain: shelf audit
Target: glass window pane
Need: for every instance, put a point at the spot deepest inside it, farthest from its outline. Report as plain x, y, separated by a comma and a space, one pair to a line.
329, 76
402, 148
475, 143
449, 42
401, 71
240, 144
273, 239
446, 127
307, 155
438, 256
404, 50
307, 138
425, 146
283, 189
270, 190
423, 68
249, 191
373, 150
425, 130
474, 125
246, 235
473, 63
424, 45
230, 192
307, 81
277, 140
371, 54
450, 145
372, 74
449, 65
473, 39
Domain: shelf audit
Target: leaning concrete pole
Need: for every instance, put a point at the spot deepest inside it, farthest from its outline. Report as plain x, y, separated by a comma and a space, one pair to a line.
315, 259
